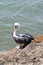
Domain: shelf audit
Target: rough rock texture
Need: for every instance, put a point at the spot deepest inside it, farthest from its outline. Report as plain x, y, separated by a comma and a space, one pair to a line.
32, 54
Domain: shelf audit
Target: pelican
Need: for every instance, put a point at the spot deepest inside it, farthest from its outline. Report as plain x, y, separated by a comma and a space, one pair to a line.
22, 39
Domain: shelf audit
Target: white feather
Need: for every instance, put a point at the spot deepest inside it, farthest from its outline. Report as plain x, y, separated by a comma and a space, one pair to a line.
16, 24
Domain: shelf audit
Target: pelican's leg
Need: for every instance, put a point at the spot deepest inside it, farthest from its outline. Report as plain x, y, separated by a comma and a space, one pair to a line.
24, 45
21, 46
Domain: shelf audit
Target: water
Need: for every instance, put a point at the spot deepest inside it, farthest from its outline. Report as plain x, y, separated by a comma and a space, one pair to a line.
28, 13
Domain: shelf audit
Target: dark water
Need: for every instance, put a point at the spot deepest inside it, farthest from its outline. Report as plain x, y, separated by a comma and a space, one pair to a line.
28, 13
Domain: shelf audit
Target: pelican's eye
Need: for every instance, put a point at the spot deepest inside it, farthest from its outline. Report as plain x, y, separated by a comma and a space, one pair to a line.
16, 26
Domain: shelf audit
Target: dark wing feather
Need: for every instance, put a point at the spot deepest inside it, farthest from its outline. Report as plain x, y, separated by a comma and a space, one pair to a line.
25, 38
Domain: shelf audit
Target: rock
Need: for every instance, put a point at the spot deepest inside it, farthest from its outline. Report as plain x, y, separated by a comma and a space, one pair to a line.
32, 54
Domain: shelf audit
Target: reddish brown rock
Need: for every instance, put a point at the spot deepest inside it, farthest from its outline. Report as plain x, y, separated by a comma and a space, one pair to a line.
38, 38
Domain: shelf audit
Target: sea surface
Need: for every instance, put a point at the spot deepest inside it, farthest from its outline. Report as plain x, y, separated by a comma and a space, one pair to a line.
29, 13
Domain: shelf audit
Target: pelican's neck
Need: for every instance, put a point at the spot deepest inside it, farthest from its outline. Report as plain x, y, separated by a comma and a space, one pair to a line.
14, 33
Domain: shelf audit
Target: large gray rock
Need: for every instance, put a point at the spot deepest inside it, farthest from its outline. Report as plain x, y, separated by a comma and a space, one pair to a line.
32, 54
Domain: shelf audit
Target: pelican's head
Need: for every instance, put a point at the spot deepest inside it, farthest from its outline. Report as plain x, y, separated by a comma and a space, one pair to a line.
16, 25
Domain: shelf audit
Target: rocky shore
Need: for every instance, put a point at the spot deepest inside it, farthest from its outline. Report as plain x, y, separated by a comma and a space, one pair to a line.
32, 54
